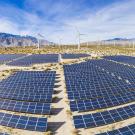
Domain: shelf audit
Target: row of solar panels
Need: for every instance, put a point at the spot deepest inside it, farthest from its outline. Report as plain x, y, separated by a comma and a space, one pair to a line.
35, 59
21, 92
9, 57
127, 130
99, 84
23, 122
104, 118
25, 60
123, 59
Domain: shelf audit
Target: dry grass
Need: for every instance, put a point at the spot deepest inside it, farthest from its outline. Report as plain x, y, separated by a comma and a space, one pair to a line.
49, 133
75, 132
102, 50
69, 113
5, 73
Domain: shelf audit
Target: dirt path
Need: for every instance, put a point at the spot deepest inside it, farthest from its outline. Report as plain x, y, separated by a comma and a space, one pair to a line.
60, 122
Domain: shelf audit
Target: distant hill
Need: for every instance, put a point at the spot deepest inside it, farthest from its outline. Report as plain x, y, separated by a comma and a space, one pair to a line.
121, 39
8, 40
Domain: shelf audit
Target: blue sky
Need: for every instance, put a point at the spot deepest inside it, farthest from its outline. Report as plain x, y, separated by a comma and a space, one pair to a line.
97, 19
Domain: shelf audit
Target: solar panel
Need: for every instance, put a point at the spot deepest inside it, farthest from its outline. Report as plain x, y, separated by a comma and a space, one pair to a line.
123, 59
9, 57
101, 103
74, 56
27, 97
119, 70
23, 122
35, 59
87, 93
127, 130
25, 107
104, 118
29, 86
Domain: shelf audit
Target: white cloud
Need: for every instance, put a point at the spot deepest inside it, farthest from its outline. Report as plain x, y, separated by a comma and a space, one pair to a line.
115, 20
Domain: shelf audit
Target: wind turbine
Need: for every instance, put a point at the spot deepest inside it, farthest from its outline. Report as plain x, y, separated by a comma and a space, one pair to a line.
79, 37
78, 34
40, 36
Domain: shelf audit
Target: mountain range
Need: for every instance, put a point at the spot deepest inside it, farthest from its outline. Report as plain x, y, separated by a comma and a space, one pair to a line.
8, 40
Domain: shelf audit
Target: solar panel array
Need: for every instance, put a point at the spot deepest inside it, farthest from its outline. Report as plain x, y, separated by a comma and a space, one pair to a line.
28, 86
74, 56
119, 70
27, 92
127, 130
123, 59
90, 88
104, 118
99, 84
23, 122
9, 57
35, 59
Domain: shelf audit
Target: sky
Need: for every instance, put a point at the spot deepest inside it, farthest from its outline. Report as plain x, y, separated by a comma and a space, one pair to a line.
61, 20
